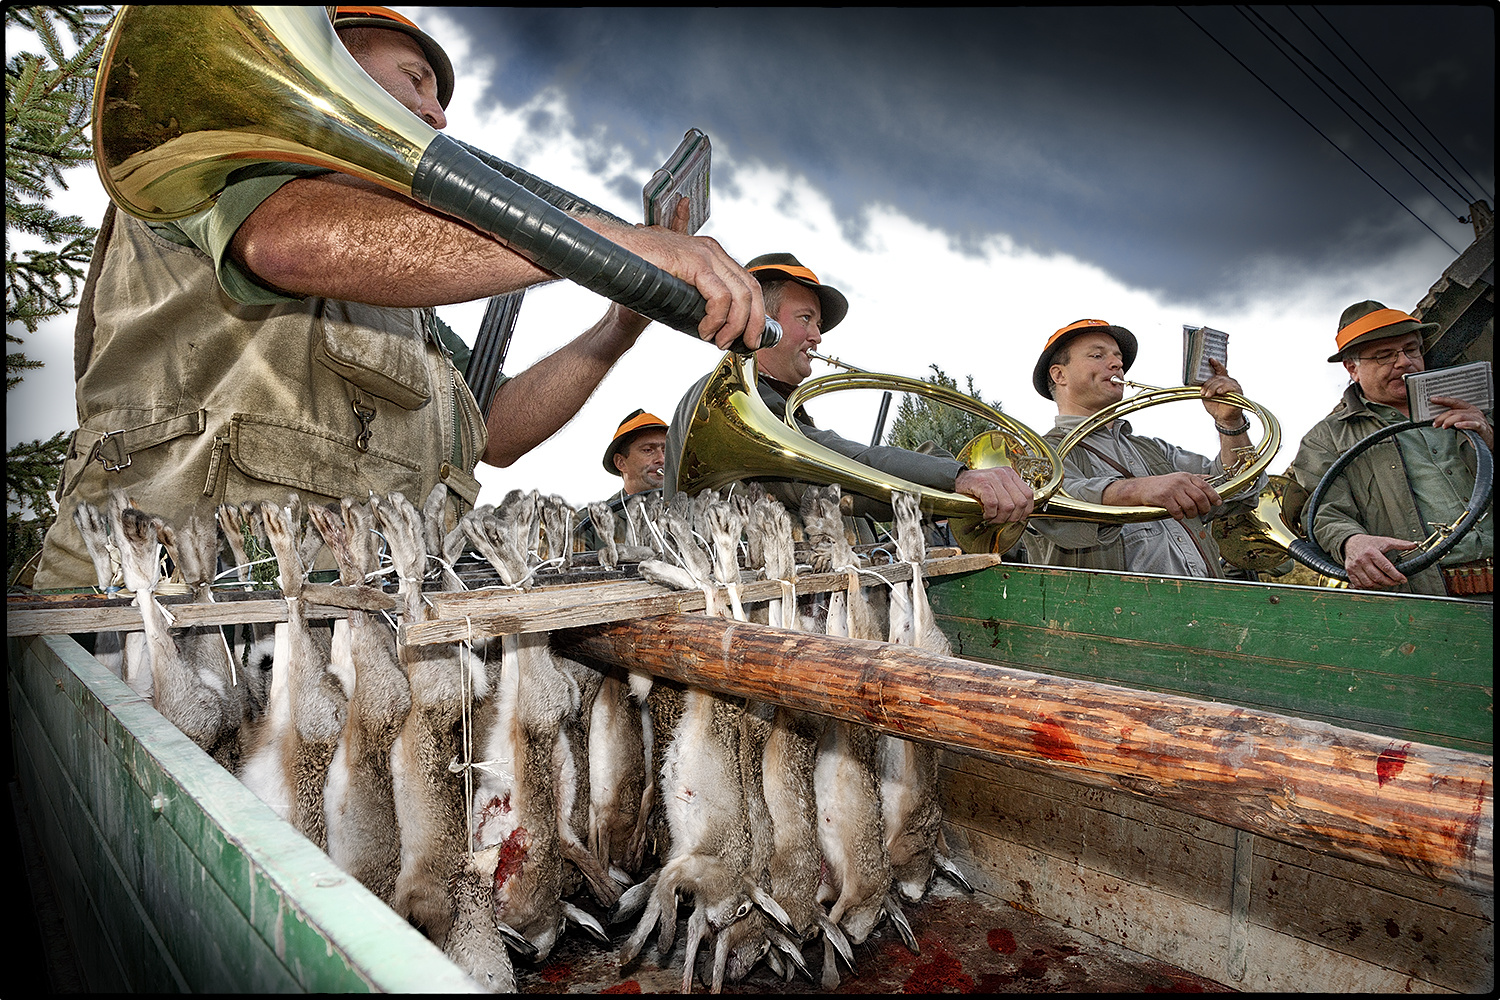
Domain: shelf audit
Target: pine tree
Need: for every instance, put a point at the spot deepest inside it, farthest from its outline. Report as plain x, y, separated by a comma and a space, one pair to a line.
48, 100
920, 420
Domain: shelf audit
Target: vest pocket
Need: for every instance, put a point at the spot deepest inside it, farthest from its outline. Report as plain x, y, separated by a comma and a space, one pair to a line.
309, 461
379, 350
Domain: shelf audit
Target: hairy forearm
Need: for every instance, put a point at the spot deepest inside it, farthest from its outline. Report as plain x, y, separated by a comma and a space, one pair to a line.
340, 237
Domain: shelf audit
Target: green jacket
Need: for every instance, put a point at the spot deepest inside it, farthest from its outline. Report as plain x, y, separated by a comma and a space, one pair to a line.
1372, 497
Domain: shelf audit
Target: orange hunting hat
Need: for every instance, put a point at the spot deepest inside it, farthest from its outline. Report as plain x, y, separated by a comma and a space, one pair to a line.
384, 17
1370, 320
633, 424
779, 266
1122, 336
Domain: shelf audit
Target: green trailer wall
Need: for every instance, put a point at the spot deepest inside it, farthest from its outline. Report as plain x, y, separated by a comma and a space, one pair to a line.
1413, 668
171, 875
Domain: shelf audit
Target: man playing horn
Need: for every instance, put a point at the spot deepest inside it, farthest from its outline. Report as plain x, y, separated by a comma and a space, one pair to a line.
807, 309
1388, 495
285, 340
1081, 368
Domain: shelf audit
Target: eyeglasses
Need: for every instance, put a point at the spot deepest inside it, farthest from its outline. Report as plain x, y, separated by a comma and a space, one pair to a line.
1387, 358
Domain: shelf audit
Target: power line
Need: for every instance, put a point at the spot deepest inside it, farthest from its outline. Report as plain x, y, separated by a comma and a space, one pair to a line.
1315, 128
1417, 118
1436, 165
1261, 17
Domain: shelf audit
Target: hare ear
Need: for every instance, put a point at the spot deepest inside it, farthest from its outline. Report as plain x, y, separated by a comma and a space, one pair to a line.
809, 501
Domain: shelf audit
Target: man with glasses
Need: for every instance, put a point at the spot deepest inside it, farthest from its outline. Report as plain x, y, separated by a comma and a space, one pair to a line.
1395, 494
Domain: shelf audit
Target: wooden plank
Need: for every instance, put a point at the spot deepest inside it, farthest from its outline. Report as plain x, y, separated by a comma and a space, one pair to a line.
1416, 808
1192, 934
1304, 624
1159, 863
460, 615
123, 616
180, 877
484, 614
1414, 668
103, 845
1422, 709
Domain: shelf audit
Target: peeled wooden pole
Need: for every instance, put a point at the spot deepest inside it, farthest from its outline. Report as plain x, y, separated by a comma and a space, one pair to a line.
1410, 807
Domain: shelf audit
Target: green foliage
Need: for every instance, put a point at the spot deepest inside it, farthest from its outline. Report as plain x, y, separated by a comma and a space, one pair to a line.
48, 100
920, 420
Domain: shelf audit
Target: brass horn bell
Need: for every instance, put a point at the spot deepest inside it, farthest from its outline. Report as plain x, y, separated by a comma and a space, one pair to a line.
1260, 539
733, 435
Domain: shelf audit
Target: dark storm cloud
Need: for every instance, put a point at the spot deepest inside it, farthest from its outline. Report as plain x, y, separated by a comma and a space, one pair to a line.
1124, 136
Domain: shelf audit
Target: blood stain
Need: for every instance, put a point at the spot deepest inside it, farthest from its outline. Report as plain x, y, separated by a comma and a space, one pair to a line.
1002, 940
628, 986
942, 974
1053, 742
513, 853
1389, 763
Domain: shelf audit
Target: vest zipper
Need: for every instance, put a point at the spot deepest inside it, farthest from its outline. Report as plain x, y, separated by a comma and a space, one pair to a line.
211, 483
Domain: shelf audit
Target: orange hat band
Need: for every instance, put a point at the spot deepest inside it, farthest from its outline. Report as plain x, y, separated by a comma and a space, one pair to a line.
1082, 324
1371, 321
385, 12
793, 270
643, 420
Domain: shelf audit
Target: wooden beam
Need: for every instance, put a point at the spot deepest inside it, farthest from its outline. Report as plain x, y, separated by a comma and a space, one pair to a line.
1409, 807
482, 614
459, 615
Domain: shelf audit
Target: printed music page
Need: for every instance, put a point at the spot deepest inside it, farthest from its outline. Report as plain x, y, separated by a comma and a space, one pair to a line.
1472, 383
684, 174
1199, 345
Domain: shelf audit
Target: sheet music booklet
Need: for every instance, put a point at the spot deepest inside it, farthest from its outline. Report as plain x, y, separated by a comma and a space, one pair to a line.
1199, 344
684, 173
1472, 383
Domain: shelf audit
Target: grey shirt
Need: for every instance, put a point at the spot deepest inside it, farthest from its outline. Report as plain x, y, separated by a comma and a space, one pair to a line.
1164, 547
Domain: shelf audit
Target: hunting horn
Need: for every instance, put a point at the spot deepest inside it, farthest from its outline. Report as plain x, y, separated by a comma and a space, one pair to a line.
1261, 539
186, 96
733, 435
1230, 484
1009, 443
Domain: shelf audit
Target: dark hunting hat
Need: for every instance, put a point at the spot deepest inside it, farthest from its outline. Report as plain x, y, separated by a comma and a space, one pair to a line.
632, 425
779, 266
1055, 343
1370, 320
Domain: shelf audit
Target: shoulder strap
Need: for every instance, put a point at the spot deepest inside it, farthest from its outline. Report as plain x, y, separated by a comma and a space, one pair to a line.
1209, 561
1106, 460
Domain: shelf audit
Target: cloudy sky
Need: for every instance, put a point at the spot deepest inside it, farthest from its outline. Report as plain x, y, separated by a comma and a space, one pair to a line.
973, 180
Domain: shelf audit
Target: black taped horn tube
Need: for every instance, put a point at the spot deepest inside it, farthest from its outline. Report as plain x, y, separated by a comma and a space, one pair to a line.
547, 191
455, 182
1310, 554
